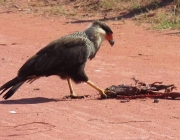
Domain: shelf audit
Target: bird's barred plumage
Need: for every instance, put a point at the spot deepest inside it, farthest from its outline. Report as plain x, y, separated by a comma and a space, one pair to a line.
65, 57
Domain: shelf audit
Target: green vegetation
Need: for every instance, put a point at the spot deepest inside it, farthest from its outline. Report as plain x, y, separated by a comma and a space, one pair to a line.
166, 21
159, 14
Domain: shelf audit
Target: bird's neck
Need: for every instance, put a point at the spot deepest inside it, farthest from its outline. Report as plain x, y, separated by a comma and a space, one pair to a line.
94, 37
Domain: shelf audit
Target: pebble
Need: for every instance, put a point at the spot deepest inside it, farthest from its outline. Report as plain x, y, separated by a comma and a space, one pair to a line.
36, 89
124, 101
12, 112
156, 100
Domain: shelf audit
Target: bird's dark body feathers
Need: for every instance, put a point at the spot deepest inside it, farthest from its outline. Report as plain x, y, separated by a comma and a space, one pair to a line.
61, 57
65, 57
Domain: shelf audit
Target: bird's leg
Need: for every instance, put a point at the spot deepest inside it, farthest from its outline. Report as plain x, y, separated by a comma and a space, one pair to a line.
101, 91
72, 94
70, 87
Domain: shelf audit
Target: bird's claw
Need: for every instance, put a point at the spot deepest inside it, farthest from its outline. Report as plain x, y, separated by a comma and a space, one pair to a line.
103, 94
110, 93
76, 96
107, 94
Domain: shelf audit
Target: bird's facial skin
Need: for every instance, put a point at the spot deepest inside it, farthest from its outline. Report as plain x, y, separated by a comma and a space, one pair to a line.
109, 37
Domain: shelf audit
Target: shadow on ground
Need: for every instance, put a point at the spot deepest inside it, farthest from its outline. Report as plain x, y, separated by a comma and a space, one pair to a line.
36, 100
40, 100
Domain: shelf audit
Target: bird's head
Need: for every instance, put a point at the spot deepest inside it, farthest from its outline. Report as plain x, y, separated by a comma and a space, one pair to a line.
104, 31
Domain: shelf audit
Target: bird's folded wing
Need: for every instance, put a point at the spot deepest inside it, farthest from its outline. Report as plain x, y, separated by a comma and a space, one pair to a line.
65, 53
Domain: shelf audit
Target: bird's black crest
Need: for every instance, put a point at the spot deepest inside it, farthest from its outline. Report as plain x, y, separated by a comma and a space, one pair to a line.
103, 26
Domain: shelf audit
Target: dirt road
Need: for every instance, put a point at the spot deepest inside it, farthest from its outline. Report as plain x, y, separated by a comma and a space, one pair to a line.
37, 111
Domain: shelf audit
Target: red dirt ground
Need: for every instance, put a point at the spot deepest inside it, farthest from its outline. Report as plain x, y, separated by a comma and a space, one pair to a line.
43, 114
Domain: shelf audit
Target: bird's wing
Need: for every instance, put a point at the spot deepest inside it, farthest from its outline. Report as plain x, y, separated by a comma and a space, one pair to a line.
62, 53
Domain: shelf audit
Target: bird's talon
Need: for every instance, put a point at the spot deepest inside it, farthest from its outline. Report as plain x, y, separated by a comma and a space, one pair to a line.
110, 94
103, 95
76, 96
66, 97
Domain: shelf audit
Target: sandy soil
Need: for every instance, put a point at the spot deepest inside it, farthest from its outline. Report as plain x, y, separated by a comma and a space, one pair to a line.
43, 114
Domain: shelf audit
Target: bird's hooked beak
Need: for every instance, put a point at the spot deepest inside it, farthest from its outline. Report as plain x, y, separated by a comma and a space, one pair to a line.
109, 37
111, 42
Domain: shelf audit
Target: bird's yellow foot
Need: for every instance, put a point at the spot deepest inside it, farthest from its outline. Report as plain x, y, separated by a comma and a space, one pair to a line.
103, 94
110, 93
76, 96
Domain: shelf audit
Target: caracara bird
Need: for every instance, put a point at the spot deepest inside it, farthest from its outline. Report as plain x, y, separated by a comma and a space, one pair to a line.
65, 57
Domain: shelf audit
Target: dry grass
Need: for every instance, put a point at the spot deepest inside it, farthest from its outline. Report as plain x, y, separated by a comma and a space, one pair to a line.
160, 14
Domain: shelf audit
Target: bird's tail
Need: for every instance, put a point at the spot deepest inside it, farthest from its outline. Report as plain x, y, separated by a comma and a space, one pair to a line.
14, 84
